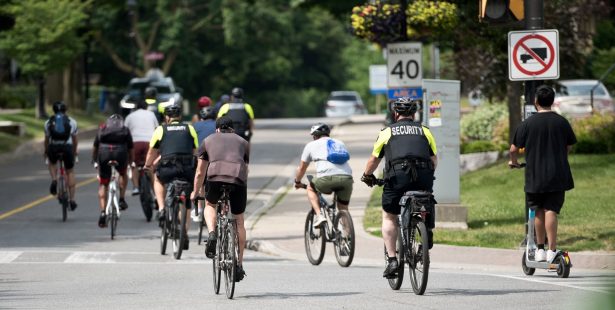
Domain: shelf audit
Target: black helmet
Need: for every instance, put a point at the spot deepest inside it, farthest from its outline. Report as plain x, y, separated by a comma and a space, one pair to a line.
173, 110
59, 106
320, 129
207, 113
406, 106
237, 92
151, 92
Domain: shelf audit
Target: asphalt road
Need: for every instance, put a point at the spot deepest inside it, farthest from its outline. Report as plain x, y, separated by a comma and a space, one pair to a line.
48, 264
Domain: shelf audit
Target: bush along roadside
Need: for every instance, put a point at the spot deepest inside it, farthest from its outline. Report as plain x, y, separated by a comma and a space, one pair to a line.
595, 134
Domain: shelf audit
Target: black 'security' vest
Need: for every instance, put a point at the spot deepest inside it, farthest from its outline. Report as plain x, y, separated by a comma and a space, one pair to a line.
176, 140
408, 141
238, 114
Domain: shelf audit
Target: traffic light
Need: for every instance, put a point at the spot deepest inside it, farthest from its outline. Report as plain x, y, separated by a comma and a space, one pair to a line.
500, 11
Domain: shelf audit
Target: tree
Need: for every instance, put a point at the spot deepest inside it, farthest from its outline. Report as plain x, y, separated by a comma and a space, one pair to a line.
44, 38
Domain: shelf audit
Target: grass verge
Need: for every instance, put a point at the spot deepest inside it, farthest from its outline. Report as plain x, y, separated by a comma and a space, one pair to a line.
495, 200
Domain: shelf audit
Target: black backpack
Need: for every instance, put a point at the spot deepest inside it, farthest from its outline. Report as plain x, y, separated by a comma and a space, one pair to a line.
59, 127
112, 131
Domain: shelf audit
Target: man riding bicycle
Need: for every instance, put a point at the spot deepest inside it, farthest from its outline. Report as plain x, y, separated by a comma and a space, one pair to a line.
61, 138
113, 142
410, 151
240, 113
223, 159
141, 124
175, 143
330, 176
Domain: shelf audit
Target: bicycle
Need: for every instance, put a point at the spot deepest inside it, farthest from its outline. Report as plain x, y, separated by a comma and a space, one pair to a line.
338, 229
112, 211
62, 189
146, 194
174, 221
412, 244
227, 245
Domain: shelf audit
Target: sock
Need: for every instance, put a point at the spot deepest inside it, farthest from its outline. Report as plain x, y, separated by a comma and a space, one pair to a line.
541, 246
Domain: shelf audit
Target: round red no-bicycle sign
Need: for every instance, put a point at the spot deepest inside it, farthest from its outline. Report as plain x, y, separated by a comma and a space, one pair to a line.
543, 66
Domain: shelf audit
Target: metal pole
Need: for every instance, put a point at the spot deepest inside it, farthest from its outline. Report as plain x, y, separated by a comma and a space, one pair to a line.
404, 25
591, 92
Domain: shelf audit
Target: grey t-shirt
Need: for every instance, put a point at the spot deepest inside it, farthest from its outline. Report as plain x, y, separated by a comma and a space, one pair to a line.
73, 131
317, 151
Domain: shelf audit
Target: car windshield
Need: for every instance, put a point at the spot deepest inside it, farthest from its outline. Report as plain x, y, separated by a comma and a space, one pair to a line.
580, 90
163, 89
343, 97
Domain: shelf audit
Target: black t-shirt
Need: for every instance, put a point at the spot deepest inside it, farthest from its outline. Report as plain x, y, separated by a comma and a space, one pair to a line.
545, 137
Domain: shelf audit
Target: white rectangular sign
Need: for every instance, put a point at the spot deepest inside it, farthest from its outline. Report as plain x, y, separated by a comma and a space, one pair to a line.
533, 55
378, 78
404, 64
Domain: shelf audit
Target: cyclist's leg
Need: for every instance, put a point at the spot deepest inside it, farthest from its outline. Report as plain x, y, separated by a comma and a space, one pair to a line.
52, 160
313, 198
239, 198
213, 192
390, 210
159, 190
140, 151
104, 176
343, 191
323, 185
69, 164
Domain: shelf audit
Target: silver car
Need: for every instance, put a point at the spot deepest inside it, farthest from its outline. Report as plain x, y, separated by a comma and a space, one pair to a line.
572, 97
344, 103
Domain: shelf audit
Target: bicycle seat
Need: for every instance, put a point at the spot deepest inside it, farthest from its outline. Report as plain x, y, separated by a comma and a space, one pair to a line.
418, 194
113, 163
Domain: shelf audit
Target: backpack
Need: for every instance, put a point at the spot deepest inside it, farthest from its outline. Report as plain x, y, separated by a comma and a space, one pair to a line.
59, 127
112, 131
336, 152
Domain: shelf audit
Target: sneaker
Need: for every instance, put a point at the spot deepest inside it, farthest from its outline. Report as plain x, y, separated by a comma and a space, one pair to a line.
210, 247
195, 218
123, 204
102, 220
390, 271
239, 273
135, 191
551, 256
73, 205
53, 188
540, 255
186, 243
318, 220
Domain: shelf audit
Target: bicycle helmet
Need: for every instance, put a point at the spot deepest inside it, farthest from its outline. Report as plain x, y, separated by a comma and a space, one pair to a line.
204, 102
59, 106
207, 113
224, 123
173, 110
406, 106
237, 93
320, 129
151, 92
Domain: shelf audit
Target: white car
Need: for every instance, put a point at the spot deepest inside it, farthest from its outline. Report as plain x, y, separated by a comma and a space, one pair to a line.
572, 97
343, 104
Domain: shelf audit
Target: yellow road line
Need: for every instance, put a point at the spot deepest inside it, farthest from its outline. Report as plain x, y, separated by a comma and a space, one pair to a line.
40, 200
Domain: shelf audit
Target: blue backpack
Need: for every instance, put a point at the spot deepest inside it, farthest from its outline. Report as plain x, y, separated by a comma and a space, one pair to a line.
59, 127
336, 152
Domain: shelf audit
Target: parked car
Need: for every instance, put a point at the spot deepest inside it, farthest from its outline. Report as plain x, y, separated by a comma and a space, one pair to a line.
344, 103
572, 97
166, 91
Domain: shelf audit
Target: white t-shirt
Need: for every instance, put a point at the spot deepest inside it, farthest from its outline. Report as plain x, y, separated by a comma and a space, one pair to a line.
73, 131
317, 151
142, 124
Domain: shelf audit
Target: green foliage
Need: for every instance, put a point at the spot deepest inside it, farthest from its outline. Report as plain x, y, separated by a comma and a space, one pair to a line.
480, 124
478, 146
595, 134
603, 59
17, 97
358, 56
45, 35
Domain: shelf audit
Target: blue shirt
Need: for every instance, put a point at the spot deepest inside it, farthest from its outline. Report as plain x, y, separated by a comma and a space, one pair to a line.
204, 129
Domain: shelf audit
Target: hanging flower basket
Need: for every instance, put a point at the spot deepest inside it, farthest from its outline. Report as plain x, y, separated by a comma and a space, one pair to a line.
380, 23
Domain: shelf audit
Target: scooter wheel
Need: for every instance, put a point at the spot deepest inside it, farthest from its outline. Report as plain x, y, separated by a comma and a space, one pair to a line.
527, 270
563, 267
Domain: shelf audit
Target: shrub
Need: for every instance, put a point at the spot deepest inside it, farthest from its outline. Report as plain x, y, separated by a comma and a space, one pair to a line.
478, 146
17, 97
480, 124
595, 134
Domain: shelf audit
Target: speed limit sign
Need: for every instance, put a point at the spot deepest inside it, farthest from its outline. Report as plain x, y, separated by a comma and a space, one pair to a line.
404, 64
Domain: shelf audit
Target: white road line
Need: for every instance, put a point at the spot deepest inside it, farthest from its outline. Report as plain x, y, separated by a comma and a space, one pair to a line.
90, 257
8, 256
555, 282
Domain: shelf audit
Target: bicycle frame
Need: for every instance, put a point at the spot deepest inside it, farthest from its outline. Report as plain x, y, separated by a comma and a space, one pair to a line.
113, 194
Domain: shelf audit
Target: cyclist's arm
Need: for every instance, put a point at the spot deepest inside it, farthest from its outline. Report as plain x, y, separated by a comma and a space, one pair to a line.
372, 165
223, 110
301, 171
152, 155
250, 112
153, 152
199, 177
95, 150
75, 143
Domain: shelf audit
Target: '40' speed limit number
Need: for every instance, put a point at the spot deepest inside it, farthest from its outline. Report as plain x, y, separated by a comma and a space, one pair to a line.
404, 64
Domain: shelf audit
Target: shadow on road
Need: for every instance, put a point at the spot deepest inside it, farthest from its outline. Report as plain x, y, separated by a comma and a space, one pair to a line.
293, 295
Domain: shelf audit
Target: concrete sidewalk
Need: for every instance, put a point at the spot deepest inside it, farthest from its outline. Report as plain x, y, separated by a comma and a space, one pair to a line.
278, 228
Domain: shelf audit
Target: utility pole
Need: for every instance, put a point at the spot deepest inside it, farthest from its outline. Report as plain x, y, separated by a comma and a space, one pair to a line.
404, 24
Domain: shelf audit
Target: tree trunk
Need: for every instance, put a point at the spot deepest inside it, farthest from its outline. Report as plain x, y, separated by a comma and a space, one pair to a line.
40, 111
77, 84
55, 90
66, 89
513, 94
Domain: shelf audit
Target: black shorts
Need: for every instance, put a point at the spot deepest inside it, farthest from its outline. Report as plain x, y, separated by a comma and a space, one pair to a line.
107, 154
550, 201
166, 173
239, 195
399, 183
55, 151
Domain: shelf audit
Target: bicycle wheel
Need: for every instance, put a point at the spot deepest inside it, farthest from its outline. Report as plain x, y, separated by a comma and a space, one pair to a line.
62, 197
396, 282
145, 196
217, 261
419, 257
164, 235
314, 240
183, 234
113, 221
344, 244
175, 229
231, 260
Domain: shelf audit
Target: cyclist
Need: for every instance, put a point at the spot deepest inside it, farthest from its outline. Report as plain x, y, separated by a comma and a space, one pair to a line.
223, 160
61, 138
141, 124
410, 151
240, 113
204, 128
113, 142
204, 102
175, 143
224, 99
330, 177
151, 99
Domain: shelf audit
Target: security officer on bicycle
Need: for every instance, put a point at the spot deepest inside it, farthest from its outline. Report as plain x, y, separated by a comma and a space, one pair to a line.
175, 143
410, 152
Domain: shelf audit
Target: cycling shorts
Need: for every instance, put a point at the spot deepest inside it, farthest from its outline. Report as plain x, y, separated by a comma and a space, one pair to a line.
549, 201
54, 151
107, 153
141, 149
239, 195
340, 184
399, 183
168, 170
